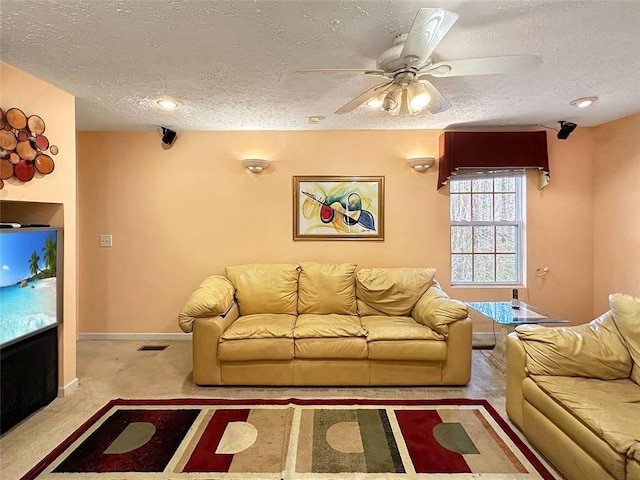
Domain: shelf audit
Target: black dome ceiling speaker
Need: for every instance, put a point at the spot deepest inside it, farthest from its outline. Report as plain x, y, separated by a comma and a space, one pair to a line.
565, 129
168, 135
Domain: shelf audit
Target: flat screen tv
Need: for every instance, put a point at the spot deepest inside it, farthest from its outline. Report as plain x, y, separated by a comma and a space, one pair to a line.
30, 282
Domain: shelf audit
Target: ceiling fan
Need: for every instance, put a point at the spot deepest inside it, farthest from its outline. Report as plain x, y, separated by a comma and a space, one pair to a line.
408, 64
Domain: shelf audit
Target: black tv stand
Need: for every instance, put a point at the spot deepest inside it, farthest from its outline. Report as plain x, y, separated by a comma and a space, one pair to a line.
28, 377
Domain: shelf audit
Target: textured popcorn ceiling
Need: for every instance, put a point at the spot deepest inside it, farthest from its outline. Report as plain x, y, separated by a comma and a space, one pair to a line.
229, 63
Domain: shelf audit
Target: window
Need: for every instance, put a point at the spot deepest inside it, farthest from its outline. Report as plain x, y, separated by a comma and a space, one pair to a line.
487, 229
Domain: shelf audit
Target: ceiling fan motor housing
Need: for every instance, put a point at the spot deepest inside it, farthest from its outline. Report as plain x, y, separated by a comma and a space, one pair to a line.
388, 60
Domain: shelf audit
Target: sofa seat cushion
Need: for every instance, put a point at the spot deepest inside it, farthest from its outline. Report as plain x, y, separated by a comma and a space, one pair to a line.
328, 326
265, 288
329, 336
268, 325
327, 288
381, 327
258, 337
402, 338
609, 408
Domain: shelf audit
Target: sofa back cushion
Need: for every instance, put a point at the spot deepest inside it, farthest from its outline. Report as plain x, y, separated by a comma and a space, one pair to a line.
265, 288
626, 314
593, 350
326, 288
391, 291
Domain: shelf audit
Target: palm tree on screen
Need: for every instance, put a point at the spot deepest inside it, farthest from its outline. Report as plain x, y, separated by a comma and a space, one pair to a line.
33, 262
49, 250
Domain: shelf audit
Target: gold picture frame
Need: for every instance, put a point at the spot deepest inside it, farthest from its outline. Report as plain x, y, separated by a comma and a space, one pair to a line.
338, 208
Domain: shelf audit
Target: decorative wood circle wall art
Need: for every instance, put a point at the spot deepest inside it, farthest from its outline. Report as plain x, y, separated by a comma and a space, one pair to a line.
23, 146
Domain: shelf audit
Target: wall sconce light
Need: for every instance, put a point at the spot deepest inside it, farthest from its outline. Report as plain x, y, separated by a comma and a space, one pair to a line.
421, 164
255, 165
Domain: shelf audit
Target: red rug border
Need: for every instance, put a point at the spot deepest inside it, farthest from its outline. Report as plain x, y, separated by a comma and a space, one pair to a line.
531, 457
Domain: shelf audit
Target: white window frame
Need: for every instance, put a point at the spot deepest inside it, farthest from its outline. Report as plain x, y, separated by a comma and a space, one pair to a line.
519, 223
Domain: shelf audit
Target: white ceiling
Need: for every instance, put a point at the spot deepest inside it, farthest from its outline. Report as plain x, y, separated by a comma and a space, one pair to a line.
229, 63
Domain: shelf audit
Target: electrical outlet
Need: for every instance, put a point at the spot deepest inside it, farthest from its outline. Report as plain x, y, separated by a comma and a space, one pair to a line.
106, 241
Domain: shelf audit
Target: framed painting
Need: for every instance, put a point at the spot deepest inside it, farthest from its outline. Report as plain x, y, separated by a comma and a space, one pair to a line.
338, 208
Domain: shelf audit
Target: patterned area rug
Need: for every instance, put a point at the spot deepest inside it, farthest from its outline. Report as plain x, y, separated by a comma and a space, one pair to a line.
292, 439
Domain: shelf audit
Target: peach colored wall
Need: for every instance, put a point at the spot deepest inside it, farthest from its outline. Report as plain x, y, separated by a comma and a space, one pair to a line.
57, 108
617, 211
181, 214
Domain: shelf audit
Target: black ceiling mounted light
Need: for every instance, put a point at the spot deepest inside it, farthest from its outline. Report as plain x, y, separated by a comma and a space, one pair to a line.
565, 129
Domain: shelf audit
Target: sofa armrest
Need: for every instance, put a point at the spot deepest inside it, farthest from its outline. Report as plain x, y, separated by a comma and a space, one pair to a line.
436, 310
213, 297
206, 335
593, 350
516, 373
457, 366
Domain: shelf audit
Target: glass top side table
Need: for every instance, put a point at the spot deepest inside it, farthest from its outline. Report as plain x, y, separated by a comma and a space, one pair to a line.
508, 318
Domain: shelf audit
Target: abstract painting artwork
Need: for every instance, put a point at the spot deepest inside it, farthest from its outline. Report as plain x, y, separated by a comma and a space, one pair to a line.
338, 208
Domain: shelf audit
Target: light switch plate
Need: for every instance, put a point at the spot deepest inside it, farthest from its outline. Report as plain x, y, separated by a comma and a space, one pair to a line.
106, 241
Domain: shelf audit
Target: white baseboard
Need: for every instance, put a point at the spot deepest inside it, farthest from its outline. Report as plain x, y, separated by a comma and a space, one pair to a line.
133, 336
68, 389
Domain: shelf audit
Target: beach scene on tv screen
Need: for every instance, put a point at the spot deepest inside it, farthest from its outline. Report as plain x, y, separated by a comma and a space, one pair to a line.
28, 264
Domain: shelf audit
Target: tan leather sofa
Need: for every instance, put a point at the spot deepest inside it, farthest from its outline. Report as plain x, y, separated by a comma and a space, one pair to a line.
575, 392
325, 324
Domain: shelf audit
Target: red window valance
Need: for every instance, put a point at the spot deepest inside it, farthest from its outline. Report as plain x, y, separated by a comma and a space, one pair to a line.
487, 151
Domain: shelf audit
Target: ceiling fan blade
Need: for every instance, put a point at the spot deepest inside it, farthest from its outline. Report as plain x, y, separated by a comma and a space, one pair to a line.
342, 71
438, 103
359, 100
484, 66
428, 29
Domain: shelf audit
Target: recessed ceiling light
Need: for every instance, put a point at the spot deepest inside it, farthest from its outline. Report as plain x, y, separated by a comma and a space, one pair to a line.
168, 104
583, 102
315, 119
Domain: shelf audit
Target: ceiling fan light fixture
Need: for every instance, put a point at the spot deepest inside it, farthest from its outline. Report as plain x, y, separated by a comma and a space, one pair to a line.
417, 97
407, 64
376, 102
583, 102
392, 100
